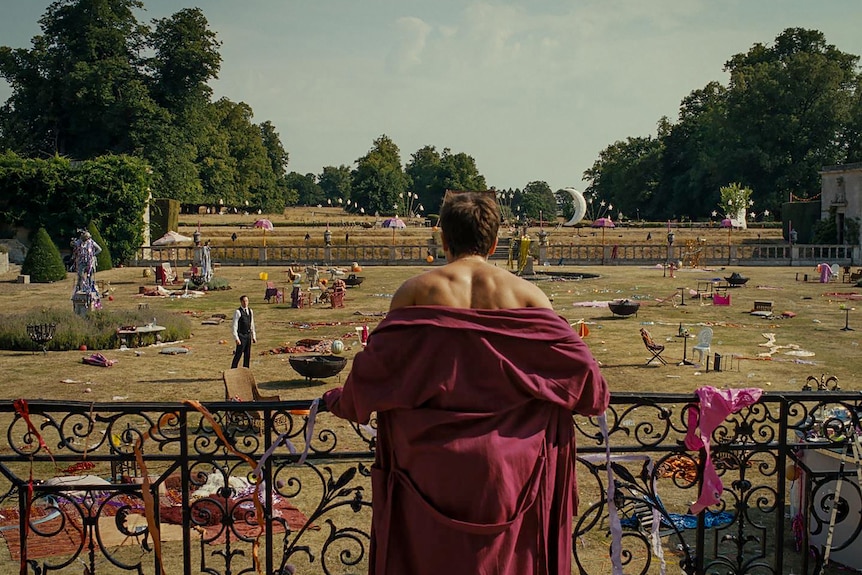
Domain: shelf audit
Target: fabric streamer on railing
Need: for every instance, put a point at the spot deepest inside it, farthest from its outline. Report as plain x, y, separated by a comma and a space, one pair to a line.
715, 405
23, 410
283, 438
616, 527
655, 536
146, 493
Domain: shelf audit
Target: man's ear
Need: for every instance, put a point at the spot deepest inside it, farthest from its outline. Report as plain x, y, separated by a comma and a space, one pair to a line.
493, 247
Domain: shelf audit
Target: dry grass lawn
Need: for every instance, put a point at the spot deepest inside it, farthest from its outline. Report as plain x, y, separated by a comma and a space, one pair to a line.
145, 374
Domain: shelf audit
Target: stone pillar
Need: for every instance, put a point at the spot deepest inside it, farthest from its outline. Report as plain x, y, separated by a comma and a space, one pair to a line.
543, 247
84, 302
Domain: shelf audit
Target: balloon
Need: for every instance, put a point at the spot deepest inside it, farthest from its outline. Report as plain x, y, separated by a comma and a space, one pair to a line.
83, 348
430, 259
337, 347
263, 276
580, 205
792, 473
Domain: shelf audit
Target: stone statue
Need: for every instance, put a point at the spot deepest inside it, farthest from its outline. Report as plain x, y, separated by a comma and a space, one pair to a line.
84, 252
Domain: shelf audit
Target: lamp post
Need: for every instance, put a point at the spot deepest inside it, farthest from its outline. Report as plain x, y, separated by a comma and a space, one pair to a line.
670, 238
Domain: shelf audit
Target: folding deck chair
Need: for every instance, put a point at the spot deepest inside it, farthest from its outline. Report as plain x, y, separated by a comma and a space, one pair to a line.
654, 348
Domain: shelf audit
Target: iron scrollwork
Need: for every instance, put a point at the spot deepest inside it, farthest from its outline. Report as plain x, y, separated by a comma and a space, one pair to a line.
316, 515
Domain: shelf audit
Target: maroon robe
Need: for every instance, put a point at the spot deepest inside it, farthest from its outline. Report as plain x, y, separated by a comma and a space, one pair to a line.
474, 470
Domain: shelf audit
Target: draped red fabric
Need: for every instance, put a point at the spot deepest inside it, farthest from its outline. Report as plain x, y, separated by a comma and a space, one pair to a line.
474, 470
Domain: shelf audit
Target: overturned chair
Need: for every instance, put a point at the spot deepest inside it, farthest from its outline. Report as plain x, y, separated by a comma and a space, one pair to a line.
654, 348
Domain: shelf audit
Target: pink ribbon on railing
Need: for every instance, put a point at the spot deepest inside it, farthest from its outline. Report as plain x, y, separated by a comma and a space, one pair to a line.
146, 494
283, 438
616, 527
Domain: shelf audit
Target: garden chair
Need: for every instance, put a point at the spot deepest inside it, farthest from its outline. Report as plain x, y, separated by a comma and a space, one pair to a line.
336, 296
165, 274
273, 292
654, 348
704, 339
239, 385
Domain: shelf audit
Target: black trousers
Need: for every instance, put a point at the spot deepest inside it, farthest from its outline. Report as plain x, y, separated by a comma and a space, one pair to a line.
243, 350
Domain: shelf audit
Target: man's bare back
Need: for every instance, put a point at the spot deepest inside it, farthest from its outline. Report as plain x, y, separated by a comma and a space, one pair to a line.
469, 282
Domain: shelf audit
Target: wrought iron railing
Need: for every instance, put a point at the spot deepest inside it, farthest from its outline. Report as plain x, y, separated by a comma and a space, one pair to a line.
87, 504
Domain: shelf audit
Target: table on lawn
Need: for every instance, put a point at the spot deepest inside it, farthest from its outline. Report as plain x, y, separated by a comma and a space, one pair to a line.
127, 334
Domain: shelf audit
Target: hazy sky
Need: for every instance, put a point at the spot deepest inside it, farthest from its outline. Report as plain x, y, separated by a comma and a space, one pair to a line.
532, 89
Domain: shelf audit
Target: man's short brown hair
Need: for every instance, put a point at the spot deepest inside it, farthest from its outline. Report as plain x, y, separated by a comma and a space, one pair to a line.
469, 221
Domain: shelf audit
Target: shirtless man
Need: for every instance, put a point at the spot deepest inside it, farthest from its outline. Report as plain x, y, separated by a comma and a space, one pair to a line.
474, 379
469, 223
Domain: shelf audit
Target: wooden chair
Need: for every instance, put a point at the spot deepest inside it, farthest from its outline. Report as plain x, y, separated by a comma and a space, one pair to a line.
239, 385
336, 297
272, 292
654, 348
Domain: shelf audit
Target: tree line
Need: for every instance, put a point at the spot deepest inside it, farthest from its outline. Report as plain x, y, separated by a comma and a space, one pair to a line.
788, 110
97, 81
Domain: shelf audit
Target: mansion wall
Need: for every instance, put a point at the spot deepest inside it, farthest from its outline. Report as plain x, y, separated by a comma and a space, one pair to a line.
841, 190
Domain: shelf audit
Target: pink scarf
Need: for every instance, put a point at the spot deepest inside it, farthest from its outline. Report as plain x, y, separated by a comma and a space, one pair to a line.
715, 406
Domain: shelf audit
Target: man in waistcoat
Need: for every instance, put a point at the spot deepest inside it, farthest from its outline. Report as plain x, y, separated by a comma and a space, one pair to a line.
243, 332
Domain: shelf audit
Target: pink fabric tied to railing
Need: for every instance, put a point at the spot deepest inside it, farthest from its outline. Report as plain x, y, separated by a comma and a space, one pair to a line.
715, 406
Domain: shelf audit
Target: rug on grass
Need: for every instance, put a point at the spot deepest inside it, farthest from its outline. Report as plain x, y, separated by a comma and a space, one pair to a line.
66, 538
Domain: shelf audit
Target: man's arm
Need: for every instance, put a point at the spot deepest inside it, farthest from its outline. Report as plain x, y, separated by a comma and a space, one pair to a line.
235, 326
251, 324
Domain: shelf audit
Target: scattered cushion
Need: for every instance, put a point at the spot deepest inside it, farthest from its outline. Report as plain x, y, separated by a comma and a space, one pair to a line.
174, 350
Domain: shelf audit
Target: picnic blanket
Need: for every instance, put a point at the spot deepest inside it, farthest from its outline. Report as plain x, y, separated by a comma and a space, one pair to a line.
64, 530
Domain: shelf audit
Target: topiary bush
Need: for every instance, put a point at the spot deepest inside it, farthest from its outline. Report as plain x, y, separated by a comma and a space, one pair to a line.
217, 283
103, 260
43, 262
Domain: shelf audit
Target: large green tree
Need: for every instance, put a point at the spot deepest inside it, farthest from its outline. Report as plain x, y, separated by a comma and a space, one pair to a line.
241, 168
97, 81
425, 172
787, 105
789, 109
305, 189
185, 58
539, 202
432, 173
627, 174
275, 197
335, 183
79, 91
378, 178
693, 159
